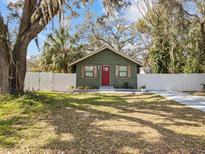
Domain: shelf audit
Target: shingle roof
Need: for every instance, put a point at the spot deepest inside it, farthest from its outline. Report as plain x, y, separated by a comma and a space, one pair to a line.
111, 49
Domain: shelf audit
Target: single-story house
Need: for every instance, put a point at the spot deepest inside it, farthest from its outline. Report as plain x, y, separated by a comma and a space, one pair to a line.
106, 67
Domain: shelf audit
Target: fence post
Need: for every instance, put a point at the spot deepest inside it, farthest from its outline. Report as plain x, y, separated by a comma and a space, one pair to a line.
39, 80
52, 81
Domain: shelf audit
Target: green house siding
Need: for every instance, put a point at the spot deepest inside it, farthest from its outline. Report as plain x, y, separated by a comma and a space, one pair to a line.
112, 59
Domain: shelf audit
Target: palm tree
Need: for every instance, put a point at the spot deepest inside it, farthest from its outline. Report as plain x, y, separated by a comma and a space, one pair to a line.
60, 50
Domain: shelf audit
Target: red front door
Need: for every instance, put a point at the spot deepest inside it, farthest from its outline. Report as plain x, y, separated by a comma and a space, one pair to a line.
105, 75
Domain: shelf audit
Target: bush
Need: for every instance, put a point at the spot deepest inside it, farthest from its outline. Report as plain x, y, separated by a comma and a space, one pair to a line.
203, 86
71, 87
126, 85
87, 87
80, 87
143, 87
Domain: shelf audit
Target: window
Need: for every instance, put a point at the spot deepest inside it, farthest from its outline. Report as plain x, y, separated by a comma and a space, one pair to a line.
123, 73
89, 71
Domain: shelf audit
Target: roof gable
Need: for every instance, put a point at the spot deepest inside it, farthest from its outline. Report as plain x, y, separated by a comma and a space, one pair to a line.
111, 49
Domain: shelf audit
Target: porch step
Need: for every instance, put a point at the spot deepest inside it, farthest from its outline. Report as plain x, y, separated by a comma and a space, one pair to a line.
106, 88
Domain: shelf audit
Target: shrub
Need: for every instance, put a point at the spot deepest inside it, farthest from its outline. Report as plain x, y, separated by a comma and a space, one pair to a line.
126, 85
71, 87
143, 87
203, 86
80, 87
87, 87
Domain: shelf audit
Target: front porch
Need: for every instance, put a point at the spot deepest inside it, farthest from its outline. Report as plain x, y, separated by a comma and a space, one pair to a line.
107, 89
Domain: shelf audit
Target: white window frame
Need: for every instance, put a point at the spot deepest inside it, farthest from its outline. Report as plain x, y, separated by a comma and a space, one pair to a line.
123, 71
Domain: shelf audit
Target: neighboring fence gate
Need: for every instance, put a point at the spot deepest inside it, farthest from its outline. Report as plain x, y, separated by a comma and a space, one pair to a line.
49, 81
61, 82
177, 82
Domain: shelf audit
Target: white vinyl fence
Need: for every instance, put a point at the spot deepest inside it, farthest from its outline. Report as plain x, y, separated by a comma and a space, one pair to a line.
49, 81
61, 82
168, 82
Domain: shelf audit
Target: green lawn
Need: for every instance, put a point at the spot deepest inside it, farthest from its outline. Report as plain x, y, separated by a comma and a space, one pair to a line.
97, 123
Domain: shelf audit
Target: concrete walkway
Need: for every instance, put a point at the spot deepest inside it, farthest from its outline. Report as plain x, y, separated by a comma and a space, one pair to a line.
197, 102
111, 91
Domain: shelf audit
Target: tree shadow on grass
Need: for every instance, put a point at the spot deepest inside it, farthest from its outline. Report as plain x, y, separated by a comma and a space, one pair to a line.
91, 138
156, 106
109, 124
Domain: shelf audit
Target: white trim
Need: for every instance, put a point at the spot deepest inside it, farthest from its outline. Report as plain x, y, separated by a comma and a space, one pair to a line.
89, 71
119, 77
111, 49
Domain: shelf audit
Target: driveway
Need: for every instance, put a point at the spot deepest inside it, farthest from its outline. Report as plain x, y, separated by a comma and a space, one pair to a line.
197, 102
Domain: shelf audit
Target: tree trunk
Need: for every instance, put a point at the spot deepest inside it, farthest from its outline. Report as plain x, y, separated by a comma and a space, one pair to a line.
35, 16
202, 27
202, 51
18, 69
4, 70
4, 58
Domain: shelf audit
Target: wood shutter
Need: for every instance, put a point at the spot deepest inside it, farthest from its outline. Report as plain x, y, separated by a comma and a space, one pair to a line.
95, 71
129, 71
83, 71
116, 71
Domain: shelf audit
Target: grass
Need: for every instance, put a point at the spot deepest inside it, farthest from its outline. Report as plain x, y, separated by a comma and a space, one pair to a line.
97, 123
